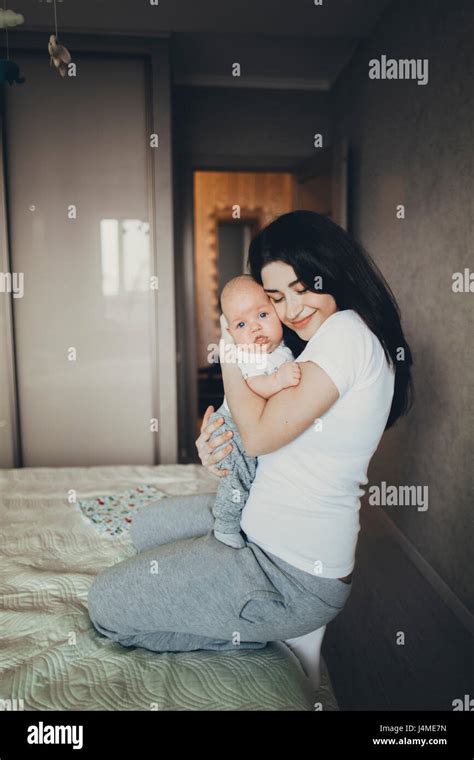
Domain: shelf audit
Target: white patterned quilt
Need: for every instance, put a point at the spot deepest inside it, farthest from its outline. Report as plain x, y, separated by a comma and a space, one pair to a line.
51, 657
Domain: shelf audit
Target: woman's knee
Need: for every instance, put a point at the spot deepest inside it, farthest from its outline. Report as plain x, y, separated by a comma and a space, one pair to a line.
143, 527
94, 597
135, 531
99, 604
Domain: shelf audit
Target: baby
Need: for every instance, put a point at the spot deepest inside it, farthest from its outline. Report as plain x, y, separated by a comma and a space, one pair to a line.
268, 366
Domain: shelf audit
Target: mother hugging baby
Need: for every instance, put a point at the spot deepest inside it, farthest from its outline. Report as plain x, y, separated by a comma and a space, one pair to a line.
271, 556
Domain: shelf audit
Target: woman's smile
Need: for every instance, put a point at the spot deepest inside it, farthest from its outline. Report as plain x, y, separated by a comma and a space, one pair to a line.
302, 322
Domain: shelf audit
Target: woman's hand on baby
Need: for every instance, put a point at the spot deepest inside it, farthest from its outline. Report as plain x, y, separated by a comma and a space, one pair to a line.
206, 445
289, 374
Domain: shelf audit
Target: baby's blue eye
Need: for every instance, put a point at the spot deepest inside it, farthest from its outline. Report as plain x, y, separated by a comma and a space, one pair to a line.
241, 323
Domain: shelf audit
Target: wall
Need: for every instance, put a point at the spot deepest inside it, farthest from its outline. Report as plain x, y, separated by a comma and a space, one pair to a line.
412, 144
245, 122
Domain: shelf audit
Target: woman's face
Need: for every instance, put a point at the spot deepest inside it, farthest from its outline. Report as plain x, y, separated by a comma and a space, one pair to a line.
299, 309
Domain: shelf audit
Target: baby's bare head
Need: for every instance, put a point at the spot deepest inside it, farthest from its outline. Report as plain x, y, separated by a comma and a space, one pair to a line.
243, 285
250, 313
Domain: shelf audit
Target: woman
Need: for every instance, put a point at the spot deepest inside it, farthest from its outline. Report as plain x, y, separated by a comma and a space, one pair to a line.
313, 441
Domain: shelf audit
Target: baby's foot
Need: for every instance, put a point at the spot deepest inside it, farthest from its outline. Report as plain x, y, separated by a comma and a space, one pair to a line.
231, 539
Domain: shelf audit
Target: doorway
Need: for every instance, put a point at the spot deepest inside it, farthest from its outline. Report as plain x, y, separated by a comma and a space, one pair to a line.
222, 208
229, 209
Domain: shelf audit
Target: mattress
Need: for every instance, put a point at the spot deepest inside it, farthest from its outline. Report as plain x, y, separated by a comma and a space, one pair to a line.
52, 658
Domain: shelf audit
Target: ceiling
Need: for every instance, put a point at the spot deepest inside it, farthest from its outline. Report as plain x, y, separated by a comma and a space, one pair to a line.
287, 44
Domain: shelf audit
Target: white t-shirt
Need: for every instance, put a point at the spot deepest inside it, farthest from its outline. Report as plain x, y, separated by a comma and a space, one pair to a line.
304, 503
262, 363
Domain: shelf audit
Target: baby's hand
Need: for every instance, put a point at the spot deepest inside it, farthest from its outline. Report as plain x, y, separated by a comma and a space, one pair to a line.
288, 374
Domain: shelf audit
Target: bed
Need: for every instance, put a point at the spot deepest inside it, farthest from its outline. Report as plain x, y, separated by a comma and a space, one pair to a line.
52, 658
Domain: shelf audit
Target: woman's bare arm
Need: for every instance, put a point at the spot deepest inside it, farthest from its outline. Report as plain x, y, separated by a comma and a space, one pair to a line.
287, 375
267, 425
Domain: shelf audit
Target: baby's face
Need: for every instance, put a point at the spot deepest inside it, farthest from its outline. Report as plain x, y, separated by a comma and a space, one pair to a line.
252, 319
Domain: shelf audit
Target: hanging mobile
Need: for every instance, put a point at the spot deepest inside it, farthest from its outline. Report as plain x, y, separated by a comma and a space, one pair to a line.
9, 70
59, 55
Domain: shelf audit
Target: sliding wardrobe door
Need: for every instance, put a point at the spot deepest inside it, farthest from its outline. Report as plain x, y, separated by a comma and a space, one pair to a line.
78, 201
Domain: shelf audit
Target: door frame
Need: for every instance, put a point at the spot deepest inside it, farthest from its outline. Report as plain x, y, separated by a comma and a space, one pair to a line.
156, 54
10, 444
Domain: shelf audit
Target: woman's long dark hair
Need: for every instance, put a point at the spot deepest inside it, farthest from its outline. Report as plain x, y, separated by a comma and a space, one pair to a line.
317, 247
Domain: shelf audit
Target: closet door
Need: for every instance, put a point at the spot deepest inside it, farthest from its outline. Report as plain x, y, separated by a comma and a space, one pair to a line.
78, 211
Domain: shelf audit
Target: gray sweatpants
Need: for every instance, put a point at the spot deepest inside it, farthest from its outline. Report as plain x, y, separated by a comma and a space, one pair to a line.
233, 490
186, 590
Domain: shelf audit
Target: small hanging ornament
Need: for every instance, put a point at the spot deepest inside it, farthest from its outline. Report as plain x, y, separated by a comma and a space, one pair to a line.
59, 55
9, 70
